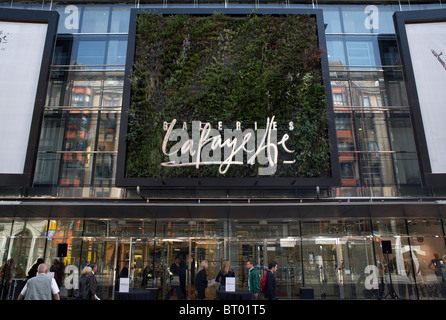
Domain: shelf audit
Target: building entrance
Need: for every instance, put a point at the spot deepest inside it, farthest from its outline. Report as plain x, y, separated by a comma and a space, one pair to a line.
169, 264
335, 260
335, 267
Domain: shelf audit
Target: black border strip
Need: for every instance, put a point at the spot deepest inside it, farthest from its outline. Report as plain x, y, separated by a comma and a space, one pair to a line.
123, 181
401, 18
51, 18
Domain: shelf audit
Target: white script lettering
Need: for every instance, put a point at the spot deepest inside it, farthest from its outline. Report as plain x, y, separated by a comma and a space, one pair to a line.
206, 144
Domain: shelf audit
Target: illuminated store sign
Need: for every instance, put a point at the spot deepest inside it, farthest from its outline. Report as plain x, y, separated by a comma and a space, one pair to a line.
230, 98
26, 46
422, 39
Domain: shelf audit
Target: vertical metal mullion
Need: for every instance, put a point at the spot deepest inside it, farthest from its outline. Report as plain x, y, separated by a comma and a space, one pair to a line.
189, 282
130, 262
302, 253
411, 261
115, 268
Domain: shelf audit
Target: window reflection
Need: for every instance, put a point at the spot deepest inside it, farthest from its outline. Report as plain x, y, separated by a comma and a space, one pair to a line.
92, 51
375, 140
85, 88
95, 19
78, 142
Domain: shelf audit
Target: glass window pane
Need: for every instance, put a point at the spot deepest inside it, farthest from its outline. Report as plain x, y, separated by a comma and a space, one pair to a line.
80, 131
354, 19
91, 53
95, 19
120, 19
360, 53
429, 255
85, 93
47, 169
86, 88
5, 228
425, 227
117, 50
53, 127
332, 19
377, 170
336, 227
108, 133
105, 167
336, 52
389, 228
112, 92
341, 93
76, 169
132, 228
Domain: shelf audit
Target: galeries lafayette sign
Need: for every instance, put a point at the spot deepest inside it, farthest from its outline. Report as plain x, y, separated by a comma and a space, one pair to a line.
206, 146
233, 98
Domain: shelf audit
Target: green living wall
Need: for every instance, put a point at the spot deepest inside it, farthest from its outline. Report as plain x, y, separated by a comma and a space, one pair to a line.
221, 68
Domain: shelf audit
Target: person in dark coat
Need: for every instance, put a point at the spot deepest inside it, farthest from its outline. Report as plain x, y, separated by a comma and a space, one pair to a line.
84, 289
33, 271
93, 282
224, 272
177, 269
270, 285
201, 281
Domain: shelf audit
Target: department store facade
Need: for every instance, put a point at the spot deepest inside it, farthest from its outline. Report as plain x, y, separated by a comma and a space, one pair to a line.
326, 238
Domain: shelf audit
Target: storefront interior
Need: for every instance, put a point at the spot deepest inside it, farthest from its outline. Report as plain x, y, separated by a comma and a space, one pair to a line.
336, 258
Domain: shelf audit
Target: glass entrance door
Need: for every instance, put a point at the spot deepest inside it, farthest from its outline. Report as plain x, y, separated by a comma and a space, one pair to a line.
155, 263
142, 257
242, 250
357, 262
286, 252
173, 265
322, 266
81, 252
213, 251
337, 268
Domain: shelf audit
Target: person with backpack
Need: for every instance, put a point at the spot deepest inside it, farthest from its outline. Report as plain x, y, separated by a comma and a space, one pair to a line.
268, 283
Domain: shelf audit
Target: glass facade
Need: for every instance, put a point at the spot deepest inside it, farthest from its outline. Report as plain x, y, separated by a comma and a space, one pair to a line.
77, 153
337, 258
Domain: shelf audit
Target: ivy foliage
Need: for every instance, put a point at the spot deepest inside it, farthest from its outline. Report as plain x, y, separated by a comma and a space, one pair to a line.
225, 68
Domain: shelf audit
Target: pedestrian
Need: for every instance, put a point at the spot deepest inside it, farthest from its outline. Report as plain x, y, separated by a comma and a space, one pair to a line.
7, 273
224, 272
93, 282
40, 287
201, 281
123, 274
253, 279
177, 271
84, 290
125, 271
57, 268
33, 271
270, 285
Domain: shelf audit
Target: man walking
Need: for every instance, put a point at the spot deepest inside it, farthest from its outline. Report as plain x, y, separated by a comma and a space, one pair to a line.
93, 282
271, 287
253, 279
40, 287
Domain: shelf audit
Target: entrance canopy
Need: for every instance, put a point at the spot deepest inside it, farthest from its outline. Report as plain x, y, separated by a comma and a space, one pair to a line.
219, 209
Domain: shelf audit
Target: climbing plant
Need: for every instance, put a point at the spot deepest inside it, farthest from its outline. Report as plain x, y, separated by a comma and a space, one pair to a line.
221, 68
